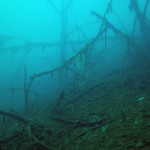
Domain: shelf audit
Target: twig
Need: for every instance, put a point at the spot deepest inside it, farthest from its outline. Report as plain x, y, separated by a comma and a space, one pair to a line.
55, 8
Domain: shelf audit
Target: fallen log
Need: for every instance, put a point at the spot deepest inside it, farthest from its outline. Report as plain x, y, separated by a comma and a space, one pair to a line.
31, 127
81, 123
23, 120
14, 116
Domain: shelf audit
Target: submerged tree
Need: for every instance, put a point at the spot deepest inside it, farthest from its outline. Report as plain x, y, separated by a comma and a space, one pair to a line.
63, 12
80, 58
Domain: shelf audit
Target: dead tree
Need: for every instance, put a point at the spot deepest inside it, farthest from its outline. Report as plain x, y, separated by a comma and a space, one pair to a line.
26, 92
142, 19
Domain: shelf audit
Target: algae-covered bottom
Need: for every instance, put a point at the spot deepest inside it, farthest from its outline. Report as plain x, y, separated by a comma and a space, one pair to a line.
114, 113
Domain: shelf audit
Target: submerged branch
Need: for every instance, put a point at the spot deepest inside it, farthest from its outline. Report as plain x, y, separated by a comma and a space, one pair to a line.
110, 26
39, 45
124, 36
54, 7
84, 50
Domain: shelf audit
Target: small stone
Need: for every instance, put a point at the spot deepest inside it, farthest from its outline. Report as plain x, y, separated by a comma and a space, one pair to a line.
104, 128
139, 144
141, 99
136, 122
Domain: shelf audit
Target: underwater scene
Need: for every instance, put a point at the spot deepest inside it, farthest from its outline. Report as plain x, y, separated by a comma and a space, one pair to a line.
74, 74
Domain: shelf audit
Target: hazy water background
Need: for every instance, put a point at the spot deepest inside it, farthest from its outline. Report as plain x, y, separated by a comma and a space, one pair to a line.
37, 21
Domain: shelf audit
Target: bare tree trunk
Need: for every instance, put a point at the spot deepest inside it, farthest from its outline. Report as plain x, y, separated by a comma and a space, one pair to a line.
64, 29
25, 90
144, 27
